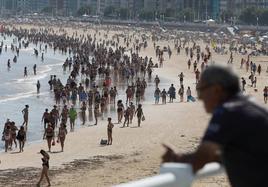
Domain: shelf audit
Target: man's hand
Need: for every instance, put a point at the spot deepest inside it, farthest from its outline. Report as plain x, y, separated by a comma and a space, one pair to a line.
170, 155
205, 153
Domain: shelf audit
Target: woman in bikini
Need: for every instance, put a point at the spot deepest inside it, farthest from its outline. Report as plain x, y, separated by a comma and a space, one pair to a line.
21, 136
13, 134
61, 135
120, 110
49, 135
83, 112
139, 113
45, 165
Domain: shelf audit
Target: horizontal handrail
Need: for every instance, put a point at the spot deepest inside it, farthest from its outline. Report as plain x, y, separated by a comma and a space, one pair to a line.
176, 175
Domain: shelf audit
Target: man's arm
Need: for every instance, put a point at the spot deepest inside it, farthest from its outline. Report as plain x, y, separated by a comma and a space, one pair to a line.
207, 152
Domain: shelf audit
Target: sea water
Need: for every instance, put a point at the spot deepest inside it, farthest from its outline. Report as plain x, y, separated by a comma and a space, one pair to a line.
16, 91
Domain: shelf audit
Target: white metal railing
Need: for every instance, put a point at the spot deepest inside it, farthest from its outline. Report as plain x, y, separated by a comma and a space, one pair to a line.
176, 175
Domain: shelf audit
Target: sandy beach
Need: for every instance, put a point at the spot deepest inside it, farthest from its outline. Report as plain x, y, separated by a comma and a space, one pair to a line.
136, 152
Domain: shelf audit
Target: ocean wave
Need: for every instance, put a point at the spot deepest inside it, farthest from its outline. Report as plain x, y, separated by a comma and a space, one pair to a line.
19, 96
27, 49
54, 65
41, 74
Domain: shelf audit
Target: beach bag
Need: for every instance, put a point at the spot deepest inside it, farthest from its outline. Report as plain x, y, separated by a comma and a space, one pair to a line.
103, 142
143, 118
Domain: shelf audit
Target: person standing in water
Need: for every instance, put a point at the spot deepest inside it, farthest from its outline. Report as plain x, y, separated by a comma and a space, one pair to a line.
34, 69
38, 85
8, 64
25, 72
25, 113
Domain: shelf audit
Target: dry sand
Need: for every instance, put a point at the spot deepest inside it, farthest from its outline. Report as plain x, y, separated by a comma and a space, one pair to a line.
136, 152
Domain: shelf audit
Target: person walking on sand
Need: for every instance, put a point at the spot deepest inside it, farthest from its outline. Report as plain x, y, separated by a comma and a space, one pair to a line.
25, 113
13, 134
96, 113
157, 93
243, 81
172, 93
45, 118
265, 94
110, 127
45, 165
157, 81
72, 116
181, 76
120, 110
164, 96
49, 135
140, 114
181, 93
7, 137
127, 116
132, 111
83, 112
21, 137
61, 135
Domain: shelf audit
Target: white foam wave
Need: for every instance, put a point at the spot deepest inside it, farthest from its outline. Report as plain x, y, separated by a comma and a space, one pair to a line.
33, 78
54, 65
27, 49
19, 96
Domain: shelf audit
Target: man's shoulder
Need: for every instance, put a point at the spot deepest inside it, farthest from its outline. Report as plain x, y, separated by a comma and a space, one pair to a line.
245, 105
